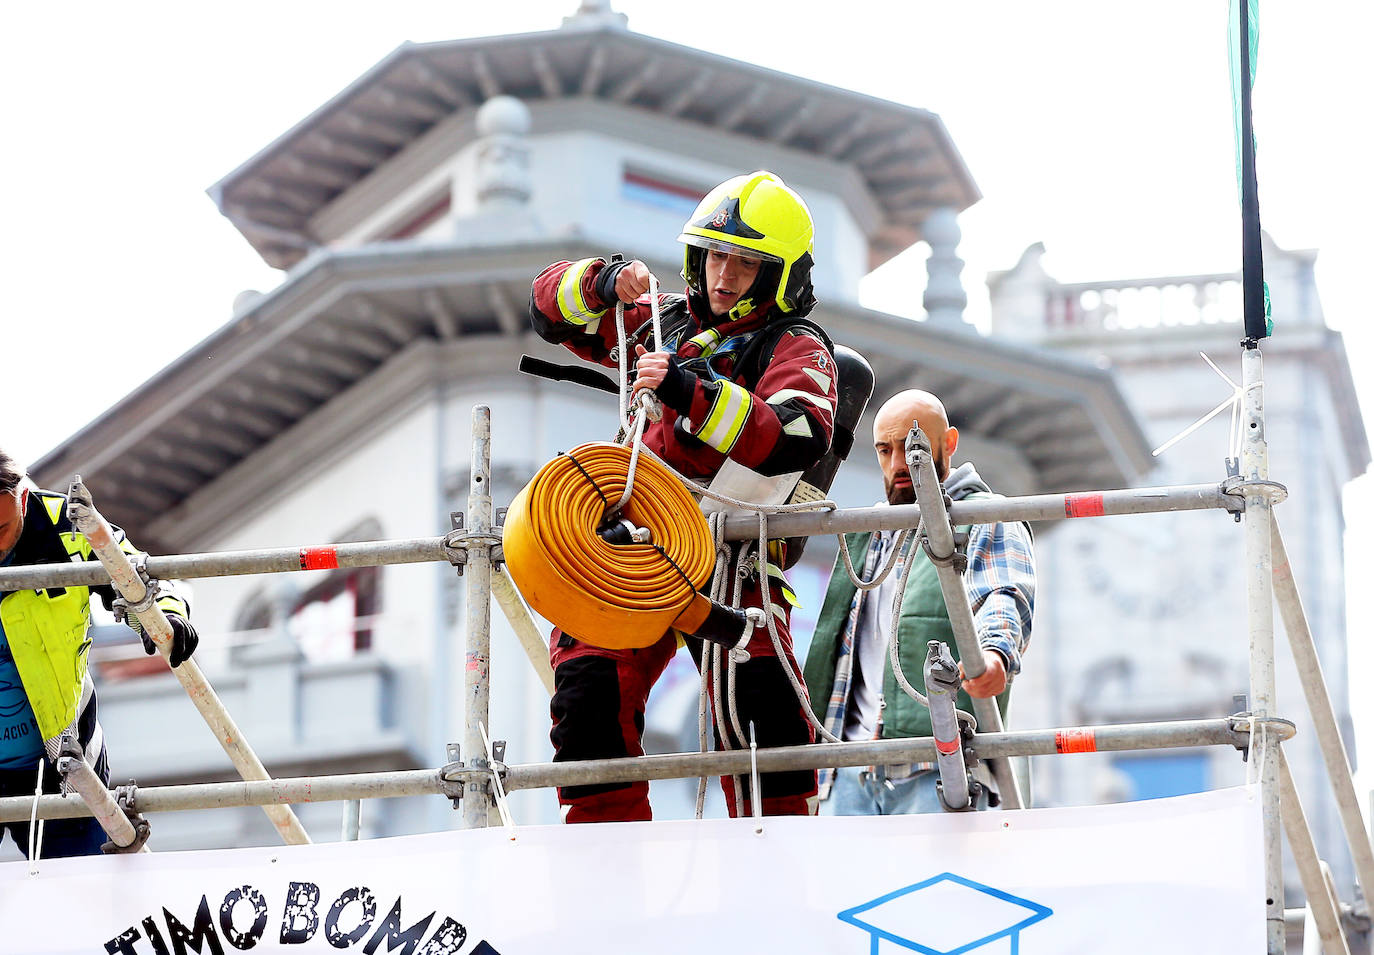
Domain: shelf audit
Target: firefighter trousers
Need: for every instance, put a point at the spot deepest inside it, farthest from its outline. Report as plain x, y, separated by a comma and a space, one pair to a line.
598, 713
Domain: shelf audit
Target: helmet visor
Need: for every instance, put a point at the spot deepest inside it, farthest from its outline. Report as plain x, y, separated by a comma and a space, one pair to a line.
730, 248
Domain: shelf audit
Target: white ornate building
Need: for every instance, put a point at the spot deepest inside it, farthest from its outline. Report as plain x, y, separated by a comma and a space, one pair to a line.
410, 213
1143, 618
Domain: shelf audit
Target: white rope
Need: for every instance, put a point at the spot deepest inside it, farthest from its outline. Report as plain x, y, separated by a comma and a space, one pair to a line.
731, 687
798, 687
702, 782
1233, 402
716, 522
622, 364
637, 443
713, 652
887, 565
653, 312
757, 796
502, 806
36, 825
893, 637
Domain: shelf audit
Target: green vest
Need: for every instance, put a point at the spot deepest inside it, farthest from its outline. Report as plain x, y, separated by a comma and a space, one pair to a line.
923, 617
46, 630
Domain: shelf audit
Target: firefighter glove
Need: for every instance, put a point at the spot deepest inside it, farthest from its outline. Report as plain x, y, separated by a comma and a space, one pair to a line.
184, 638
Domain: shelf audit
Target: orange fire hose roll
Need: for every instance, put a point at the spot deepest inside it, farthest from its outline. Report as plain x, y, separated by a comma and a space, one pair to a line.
616, 596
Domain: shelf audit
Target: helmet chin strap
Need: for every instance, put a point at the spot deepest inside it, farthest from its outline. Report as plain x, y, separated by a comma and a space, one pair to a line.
742, 308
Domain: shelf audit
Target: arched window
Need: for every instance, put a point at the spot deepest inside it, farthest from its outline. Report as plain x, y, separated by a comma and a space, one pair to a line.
333, 618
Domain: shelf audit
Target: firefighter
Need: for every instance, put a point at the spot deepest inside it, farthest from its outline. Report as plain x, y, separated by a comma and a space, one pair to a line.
748, 388
46, 693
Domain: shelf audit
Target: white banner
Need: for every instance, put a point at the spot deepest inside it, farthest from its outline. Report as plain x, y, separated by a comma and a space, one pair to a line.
1181, 874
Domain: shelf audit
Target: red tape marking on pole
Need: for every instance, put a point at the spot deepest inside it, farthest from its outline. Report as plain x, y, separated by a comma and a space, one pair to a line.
1083, 505
944, 749
318, 558
1075, 741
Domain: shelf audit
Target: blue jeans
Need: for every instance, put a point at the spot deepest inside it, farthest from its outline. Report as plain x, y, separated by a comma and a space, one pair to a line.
858, 792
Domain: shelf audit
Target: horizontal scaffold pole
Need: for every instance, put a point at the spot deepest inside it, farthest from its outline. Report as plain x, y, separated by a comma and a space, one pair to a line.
280, 560
449, 781
1035, 507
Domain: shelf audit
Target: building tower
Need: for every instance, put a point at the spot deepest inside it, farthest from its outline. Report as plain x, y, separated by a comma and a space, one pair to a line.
1144, 618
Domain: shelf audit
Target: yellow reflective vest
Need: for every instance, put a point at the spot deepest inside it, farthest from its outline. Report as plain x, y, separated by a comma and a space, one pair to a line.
47, 629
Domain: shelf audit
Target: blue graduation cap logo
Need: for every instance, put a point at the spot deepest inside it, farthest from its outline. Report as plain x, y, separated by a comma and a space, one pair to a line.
948, 914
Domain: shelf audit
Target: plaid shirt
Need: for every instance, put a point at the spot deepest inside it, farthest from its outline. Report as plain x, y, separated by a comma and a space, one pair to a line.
1000, 582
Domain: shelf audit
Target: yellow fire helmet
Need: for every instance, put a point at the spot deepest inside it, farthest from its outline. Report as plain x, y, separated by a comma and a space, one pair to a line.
756, 215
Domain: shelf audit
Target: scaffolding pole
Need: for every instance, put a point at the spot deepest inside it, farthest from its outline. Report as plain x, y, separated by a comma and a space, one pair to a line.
449, 781
520, 620
131, 587
1259, 590
479, 540
939, 533
1321, 901
1322, 712
79, 775
281, 560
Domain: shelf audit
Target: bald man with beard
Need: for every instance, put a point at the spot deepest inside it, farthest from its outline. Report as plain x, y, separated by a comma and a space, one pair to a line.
848, 669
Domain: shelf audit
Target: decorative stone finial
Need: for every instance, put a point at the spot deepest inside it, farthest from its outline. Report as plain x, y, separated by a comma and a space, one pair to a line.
503, 155
592, 14
944, 298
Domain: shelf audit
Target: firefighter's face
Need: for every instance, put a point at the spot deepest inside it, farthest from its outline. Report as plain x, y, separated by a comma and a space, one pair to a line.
728, 277
11, 519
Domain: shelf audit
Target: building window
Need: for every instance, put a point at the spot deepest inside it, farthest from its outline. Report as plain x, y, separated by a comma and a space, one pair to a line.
334, 617
661, 191
430, 213
333, 620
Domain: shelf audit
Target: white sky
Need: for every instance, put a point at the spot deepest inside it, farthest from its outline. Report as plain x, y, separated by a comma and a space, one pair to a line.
1101, 129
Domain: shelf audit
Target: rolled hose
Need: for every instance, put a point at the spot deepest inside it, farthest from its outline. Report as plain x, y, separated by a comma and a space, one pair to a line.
615, 596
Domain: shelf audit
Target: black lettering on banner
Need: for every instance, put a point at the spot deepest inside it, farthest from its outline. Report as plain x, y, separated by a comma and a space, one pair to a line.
155, 936
123, 943
447, 939
390, 931
243, 941
299, 919
300, 922
201, 933
336, 936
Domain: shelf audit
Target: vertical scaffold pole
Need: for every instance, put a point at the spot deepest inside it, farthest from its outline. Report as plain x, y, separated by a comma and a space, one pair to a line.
477, 661
940, 533
1259, 591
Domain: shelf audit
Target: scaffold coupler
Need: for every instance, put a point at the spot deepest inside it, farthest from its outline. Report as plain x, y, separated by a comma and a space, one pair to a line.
956, 786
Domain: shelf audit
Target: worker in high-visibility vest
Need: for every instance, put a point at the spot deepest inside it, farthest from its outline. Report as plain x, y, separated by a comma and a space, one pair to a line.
748, 388
46, 693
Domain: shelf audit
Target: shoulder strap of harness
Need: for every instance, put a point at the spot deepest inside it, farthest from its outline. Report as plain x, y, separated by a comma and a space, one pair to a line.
758, 352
